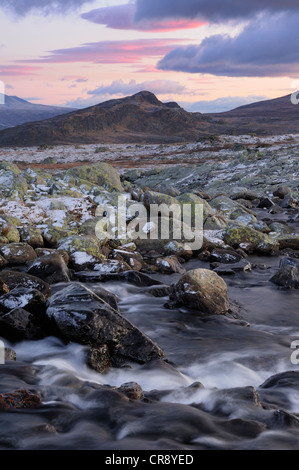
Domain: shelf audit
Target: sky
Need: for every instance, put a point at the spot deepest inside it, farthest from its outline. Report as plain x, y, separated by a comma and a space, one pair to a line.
207, 55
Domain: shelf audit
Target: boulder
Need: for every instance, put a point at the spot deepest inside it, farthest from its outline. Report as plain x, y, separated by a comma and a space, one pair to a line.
20, 324
169, 265
51, 268
250, 240
21, 297
282, 191
100, 174
20, 399
80, 243
17, 253
226, 256
13, 279
287, 276
202, 290
32, 236
80, 315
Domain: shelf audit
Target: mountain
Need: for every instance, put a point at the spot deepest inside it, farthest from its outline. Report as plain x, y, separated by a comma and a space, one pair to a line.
16, 111
143, 118
269, 117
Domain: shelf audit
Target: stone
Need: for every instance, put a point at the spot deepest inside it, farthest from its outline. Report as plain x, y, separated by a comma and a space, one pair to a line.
250, 240
82, 261
240, 266
17, 253
80, 243
226, 256
3, 288
20, 324
132, 390
51, 268
170, 264
79, 315
100, 174
32, 236
265, 203
21, 297
282, 191
202, 290
287, 276
20, 399
99, 359
13, 279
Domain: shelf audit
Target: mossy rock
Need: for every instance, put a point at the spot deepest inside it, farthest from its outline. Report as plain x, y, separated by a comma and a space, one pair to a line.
79, 243
192, 199
241, 216
250, 240
100, 174
53, 234
11, 233
7, 166
215, 222
32, 236
13, 185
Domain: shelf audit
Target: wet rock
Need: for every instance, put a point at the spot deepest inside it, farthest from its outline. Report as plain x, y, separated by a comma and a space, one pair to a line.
170, 264
282, 191
81, 316
215, 222
181, 250
226, 256
159, 291
239, 192
99, 358
152, 197
288, 262
245, 428
3, 262
22, 297
240, 266
20, 324
132, 277
50, 268
169, 190
288, 379
10, 355
17, 253
287, 276
49, 251
133, 259
202, 290
13, 279
265, 203
82, 261
20, 399
289, 202
132, 390
191, 200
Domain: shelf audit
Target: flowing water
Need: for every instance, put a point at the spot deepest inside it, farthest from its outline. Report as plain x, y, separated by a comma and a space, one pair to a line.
227, 356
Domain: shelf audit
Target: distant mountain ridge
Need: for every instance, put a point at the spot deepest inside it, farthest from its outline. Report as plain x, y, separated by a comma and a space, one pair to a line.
16, 111
142, 118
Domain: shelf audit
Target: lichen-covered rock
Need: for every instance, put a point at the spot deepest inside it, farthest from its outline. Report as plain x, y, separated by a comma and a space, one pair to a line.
20, 399
12, 185
32, 236
80, 243
17, 253
215, 222
242, 216
151, 197
99, 173
201, 290
191, 200
53, 234
250, 240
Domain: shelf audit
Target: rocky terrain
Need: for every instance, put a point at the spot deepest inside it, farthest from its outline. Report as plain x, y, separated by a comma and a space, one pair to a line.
142, 118
148, 344
16, 111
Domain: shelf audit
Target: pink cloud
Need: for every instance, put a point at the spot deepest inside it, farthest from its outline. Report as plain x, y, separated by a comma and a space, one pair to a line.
123, 17
110, 52
15, 70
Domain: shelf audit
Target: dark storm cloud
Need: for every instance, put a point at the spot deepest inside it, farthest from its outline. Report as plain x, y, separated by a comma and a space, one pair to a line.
267, 47
22, 7
210, 10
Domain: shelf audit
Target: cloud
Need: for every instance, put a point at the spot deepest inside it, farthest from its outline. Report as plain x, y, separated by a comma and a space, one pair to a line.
265, 47
221, 105
110, 52
123, 17
23, 7
119, 87
210, 10
15, 70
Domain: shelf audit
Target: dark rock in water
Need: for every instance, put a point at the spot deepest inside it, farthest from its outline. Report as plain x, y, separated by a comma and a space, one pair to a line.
99, 358
3, 288
245, 428
241, 266
19, 399
19, 324
21, 297
288, 379
17, 253
51, 268
288, 262
13, 279
283, 418
132, 390
49, 251
3, 261
170, 264
282, 191
226, 256
289, 202
287, 276
79, 315
132, 277
159, 291
265, 203
202, 290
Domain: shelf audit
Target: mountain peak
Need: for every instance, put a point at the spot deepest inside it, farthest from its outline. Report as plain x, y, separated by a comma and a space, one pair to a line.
147, 97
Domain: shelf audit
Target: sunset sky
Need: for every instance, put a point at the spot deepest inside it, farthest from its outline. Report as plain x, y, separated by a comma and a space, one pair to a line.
208, 55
